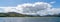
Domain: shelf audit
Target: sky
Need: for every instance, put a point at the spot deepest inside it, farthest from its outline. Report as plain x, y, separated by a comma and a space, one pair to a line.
14, 3
31, 6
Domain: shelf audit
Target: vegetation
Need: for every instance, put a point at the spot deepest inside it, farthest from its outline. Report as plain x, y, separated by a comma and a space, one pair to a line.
14, 14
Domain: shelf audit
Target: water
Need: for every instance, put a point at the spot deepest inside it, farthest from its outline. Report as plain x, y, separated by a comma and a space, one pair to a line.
29, 19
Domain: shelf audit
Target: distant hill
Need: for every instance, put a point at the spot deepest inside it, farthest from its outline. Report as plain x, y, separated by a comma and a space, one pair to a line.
14, 14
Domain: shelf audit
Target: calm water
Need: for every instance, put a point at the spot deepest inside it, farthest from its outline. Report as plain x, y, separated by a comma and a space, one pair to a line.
29, 19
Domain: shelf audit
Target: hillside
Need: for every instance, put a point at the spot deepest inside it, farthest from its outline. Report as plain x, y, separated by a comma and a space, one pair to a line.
14, 14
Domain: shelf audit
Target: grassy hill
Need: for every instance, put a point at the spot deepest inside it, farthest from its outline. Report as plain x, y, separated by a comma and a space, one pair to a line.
14, 14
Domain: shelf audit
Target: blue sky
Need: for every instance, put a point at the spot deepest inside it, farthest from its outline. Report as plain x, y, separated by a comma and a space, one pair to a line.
4, 3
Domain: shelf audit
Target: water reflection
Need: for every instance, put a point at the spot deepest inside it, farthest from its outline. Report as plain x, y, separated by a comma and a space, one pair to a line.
30, 19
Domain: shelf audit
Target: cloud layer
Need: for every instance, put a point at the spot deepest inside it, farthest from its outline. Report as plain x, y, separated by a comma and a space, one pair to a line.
33, 9
37, 8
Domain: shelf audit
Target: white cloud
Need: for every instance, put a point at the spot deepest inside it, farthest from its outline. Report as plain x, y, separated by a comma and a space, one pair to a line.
32, 9
38, 8
52, 2
7, 9
49, 12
